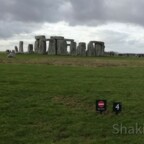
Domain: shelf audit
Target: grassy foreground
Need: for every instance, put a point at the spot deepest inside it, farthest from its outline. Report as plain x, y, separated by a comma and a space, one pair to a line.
51, 100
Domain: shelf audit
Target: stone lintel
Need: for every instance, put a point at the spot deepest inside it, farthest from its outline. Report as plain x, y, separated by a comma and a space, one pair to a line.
40, 37
100, 42
71, 40
81, 43
57, 37
48, 39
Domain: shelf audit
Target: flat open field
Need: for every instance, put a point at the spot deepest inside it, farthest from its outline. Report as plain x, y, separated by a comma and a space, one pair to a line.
51, 99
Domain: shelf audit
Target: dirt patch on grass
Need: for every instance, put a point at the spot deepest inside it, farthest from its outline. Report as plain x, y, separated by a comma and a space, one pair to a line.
74, 61
73, 103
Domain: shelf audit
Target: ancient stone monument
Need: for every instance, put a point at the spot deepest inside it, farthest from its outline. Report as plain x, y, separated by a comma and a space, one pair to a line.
40, 44
95, 48
73, 50
11, 54
16, 49
81, 49
8, 51
30, 48
58, 45
21, 47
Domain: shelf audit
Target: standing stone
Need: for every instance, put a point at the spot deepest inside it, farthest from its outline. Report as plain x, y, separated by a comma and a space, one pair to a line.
73, 48
30, 48
91, 51
98, 49
16, 49
57, 46
21, 47
40, 44
11, 54
102, 49
52, 47
62, 47
8, 51
81, 49
95, 48
36, 46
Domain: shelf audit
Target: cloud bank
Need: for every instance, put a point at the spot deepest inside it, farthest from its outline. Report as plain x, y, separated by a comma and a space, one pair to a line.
121, 21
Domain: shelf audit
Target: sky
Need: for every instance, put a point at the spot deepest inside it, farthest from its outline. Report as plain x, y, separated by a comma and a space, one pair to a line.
120, 24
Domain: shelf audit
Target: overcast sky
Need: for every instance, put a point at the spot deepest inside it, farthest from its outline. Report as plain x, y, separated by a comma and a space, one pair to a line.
120, 24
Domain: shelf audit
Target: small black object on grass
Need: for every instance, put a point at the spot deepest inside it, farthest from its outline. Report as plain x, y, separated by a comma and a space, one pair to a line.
101, 106
117, 107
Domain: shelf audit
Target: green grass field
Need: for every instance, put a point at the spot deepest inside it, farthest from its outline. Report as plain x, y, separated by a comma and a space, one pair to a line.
51, 99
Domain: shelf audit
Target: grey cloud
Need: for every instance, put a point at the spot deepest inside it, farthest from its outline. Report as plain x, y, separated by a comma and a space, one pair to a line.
18, 16
101, 11
9, 29
31, 10
25, 16
87, 12
120, 42
129, 11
